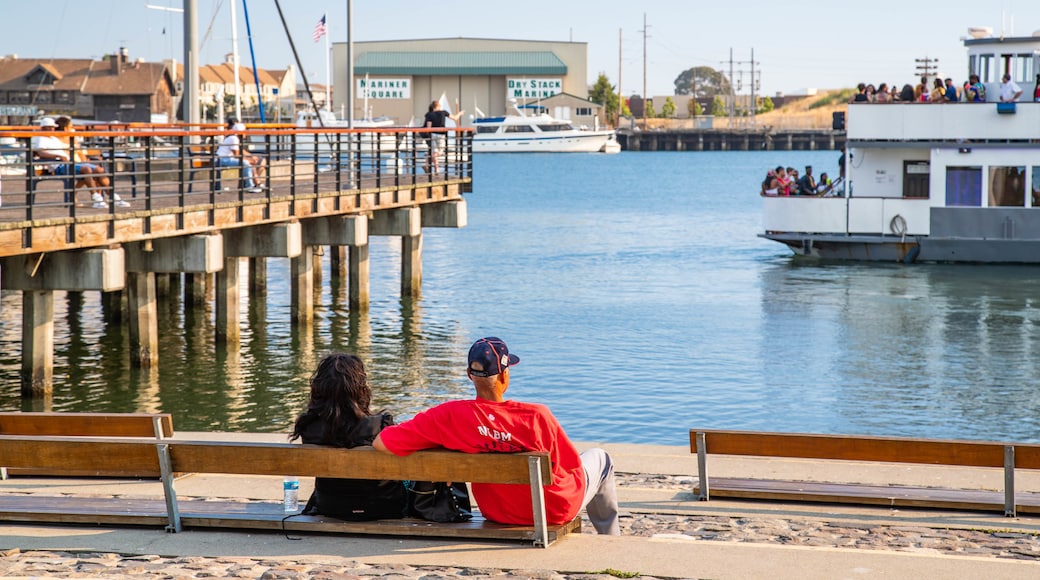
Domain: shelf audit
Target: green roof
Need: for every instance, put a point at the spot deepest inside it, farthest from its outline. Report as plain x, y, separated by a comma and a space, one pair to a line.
460, 63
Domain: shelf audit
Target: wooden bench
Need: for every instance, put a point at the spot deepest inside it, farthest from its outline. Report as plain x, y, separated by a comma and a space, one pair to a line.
265, 459
1006, 456
204, 157
146, 425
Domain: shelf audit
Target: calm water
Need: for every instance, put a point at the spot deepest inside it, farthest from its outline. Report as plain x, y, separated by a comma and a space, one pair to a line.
641, 302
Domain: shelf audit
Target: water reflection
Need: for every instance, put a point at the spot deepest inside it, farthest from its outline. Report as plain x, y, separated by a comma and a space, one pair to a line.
931, 348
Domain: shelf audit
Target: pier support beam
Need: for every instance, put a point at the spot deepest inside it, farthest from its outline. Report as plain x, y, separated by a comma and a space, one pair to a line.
406, 223
339, 232
149, 262
302, 287
228, 329
282, 240
257, 277
37, 344
38, 276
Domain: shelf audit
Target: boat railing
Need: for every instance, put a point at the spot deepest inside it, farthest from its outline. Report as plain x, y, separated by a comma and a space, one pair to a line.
160, 166
885, 216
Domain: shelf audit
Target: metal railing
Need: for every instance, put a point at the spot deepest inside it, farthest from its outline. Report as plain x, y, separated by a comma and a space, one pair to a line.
157, 167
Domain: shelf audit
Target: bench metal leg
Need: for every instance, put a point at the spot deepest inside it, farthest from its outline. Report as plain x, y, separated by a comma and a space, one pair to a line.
1010, 510
541, 528
173, 513
702, 466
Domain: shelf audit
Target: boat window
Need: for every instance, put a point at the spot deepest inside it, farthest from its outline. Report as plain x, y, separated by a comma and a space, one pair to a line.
985, 71
1007, 186
1022, 68
519, 129
1036, 186
555, 127
486, 129
964, 186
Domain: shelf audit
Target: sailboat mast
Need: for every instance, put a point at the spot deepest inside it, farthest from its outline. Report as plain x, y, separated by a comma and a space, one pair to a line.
234, 59
328, 70
350, 65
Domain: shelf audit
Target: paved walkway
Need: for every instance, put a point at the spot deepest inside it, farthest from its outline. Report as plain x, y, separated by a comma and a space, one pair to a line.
665, 534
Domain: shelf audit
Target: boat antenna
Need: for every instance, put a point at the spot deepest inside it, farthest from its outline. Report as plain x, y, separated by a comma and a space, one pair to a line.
296, 55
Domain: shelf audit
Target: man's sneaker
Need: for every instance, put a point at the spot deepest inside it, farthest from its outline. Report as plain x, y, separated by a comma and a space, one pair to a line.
99, 201
119, 201
255, 190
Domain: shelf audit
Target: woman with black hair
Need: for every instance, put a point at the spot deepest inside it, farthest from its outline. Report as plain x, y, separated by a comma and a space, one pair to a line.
338, 415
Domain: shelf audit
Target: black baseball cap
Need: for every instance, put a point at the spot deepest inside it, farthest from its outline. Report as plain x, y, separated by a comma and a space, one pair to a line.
490, 356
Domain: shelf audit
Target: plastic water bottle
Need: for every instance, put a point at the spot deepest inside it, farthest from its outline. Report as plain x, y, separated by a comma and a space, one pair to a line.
291, 495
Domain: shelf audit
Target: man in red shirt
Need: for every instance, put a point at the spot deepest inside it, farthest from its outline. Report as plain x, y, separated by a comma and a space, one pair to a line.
492, 424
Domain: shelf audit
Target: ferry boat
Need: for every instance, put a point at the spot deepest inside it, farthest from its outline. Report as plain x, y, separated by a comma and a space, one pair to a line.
951, 182
542, 133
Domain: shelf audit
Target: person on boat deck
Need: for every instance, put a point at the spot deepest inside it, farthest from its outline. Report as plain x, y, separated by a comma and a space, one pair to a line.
861, 94
1009, 90
436, 118
1036, 90
921, 90
777, 182
824, 186
938, 94
883, 96
951, 95
230, 154
807, 183
976, 90
490, 423
767, 184
907, 94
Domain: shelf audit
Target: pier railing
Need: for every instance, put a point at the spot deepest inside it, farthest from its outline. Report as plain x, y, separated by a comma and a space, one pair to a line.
146, 172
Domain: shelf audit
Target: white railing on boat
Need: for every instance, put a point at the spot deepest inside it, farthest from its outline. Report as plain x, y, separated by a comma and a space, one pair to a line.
852, 215
941, 122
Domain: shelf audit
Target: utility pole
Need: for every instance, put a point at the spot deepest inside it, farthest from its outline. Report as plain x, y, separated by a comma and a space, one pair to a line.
756, 83
621, 99
926, 67
190, 95
736, 85
646, 100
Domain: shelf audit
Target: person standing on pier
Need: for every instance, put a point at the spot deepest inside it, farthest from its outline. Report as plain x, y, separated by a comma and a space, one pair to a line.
436, 118
492, 424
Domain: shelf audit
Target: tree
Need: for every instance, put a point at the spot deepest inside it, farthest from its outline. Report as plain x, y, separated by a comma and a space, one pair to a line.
718, 107
694, 108
649, 113
766, 105
702, 82
604, 94
668, 109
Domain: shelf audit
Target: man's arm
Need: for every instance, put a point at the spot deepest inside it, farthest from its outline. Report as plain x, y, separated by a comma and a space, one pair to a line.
378, 444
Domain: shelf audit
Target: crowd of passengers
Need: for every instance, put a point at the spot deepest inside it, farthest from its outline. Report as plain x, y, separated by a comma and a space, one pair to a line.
785, 181
942, 91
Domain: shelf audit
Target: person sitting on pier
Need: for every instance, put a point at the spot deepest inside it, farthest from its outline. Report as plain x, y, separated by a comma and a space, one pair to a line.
807, 184
1009, 90
492, 424
338, 415
230, 154
59, 153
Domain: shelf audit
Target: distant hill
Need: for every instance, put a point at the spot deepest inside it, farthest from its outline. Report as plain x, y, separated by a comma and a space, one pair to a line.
813, 112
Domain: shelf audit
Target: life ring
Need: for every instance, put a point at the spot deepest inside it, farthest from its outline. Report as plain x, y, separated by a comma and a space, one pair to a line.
897, 225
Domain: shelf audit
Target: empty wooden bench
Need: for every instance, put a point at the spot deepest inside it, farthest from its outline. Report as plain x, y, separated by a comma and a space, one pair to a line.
1006, 456
268, 459
146, 425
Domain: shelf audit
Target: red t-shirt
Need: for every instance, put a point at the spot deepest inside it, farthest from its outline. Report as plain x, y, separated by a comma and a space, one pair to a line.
481, 426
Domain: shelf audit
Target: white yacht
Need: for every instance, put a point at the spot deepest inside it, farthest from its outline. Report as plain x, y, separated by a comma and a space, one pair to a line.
524, 133
951, 182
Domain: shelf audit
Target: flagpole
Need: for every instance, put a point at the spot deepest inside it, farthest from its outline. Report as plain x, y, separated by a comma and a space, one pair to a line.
328, 69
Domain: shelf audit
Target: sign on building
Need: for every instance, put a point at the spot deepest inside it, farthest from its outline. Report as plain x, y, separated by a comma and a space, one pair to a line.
18, 110
524, 88
384, 88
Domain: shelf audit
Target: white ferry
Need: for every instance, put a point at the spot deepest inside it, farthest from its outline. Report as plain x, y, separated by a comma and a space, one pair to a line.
952, 182
523, 133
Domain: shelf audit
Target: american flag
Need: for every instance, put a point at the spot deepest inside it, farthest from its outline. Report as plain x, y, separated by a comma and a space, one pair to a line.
320, 29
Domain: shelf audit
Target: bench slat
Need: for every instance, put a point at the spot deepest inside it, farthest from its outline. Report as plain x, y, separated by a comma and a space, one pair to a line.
85, 424
851, 448
363, 463
83, 456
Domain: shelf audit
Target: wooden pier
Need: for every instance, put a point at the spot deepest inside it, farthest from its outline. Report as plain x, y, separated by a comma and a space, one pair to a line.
186, 216
731, 140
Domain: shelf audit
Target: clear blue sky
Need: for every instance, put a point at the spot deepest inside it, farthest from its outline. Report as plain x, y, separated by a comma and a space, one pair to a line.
800, 44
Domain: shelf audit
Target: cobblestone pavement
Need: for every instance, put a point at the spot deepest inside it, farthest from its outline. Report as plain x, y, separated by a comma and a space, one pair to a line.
785, 531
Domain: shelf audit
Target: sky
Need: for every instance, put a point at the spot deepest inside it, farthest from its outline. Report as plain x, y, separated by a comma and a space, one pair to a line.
797, 45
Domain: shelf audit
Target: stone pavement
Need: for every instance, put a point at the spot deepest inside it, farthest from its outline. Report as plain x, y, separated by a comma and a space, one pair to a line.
665, 534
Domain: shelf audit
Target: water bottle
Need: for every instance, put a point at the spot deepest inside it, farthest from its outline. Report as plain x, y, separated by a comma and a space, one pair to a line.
291, 495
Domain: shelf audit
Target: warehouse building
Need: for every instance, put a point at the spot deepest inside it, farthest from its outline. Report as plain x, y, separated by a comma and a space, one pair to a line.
400, 78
